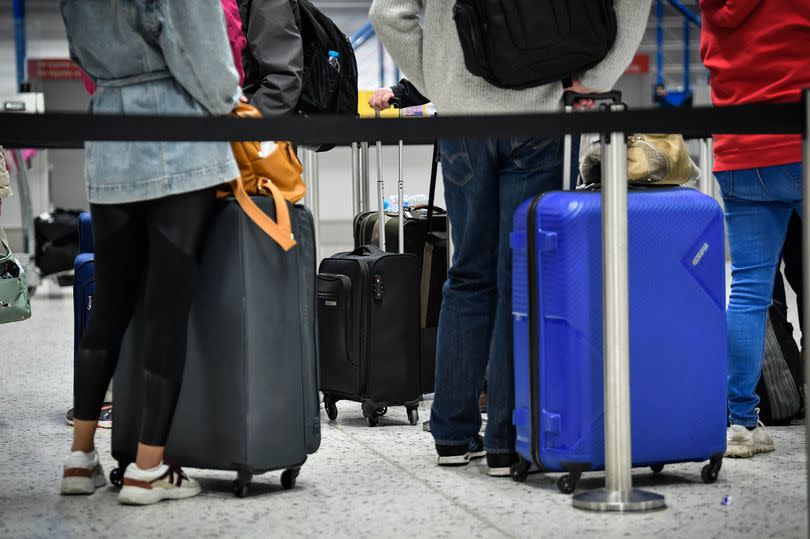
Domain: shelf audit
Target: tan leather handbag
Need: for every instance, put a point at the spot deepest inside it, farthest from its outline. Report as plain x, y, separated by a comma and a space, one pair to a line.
270, 169
652, 159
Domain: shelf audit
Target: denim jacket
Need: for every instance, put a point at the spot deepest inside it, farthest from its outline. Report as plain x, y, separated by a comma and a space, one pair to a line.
154, 57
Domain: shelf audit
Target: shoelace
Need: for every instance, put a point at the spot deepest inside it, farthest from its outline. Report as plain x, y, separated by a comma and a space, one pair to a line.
175, 469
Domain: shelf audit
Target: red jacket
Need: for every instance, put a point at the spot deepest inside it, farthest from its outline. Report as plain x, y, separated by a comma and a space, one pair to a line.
756, 51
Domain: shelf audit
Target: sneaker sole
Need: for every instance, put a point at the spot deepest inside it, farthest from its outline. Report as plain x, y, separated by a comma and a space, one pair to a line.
746, 452
477, 454
82, 485
455, 460
499, 472
146, 496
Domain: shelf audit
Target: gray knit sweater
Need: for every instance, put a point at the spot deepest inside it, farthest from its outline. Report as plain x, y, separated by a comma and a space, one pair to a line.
429, 54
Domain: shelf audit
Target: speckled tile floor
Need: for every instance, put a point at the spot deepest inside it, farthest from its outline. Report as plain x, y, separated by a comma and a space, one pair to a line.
380, 482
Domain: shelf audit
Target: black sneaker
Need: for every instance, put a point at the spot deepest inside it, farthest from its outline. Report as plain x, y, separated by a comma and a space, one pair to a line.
104, 420
501, 463
459, 455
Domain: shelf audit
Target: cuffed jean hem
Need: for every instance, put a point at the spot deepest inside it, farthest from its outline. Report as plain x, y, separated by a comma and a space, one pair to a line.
499, 450
453, 443
742, 423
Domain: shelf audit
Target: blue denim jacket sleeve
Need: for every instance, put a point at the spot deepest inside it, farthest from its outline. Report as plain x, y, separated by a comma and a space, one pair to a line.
198, 52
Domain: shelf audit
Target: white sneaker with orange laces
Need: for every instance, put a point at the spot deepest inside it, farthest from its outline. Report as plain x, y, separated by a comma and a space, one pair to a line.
145, 487
82, 473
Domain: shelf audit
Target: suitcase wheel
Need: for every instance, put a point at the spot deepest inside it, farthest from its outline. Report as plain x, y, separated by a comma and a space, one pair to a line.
567, 484
117, 477
288, 478
382, 411
520, 470
413, 415
657, 468
371, 414
711, 471
240, 488
330, 407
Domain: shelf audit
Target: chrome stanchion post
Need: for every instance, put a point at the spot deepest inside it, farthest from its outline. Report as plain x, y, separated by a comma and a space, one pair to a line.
311, 198
707, 166
567, 186
355, 180
618, 494
806, 254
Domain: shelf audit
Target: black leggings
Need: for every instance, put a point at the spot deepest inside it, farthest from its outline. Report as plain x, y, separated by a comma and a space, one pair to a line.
144, 248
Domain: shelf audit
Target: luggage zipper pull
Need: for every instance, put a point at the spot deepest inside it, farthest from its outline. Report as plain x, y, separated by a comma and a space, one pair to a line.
378, 287
89, 303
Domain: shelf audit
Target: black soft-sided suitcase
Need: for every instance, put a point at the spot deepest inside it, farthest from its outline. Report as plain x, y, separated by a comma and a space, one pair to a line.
368, 315
425, 232
249, 400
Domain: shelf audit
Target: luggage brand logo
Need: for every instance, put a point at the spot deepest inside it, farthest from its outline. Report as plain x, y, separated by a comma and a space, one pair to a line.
700, 254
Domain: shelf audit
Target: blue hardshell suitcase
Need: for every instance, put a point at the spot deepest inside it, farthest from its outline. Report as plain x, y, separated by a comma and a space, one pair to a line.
84, 280
678, 352
85, 233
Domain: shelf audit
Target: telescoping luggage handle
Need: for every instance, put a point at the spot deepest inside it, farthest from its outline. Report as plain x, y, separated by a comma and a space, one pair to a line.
381, 190
615, 97
618, 494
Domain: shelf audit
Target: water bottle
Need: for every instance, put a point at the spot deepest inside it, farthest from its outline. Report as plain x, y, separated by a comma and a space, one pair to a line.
392, 204
418, 200
333, 60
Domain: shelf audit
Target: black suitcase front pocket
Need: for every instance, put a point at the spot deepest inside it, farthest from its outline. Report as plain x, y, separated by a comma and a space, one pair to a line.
339, 367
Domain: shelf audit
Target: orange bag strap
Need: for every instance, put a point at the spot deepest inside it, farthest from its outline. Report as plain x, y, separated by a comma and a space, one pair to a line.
281, 231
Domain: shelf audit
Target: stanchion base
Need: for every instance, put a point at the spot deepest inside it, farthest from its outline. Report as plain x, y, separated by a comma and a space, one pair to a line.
606, 500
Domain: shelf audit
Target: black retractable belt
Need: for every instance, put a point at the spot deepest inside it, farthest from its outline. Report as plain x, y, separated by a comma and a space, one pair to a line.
70, 130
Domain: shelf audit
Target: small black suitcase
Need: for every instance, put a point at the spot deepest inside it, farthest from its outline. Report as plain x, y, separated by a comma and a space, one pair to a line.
368, 316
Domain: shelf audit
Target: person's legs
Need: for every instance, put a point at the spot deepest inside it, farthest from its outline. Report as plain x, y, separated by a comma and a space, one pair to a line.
758, 203
175, 228
468, 306
119, 251
527, 168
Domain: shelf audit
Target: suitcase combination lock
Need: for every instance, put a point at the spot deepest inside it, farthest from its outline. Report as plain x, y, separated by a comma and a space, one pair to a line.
378, 287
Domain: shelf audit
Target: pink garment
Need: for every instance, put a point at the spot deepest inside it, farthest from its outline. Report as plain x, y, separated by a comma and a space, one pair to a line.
89, 85
233, 25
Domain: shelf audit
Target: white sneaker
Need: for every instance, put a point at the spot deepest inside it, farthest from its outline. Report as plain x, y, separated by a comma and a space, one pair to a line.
744, 443
82, 473
145, 487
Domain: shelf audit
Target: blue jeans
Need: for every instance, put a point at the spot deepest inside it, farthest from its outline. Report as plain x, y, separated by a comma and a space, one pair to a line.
759, 203
484, 180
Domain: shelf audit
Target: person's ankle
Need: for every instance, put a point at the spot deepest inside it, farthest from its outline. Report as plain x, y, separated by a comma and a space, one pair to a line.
83, 448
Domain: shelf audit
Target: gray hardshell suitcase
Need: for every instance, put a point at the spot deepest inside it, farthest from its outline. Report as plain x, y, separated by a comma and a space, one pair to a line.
249, 400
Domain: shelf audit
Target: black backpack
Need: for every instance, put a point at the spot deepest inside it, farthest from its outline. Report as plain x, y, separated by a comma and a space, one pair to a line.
523, 43
324, 89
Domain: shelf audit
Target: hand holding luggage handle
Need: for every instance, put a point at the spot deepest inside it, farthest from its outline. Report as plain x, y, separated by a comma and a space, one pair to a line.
568, 101
618, 494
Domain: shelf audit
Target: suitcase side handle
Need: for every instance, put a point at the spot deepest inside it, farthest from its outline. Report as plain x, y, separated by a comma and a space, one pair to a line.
367, 250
